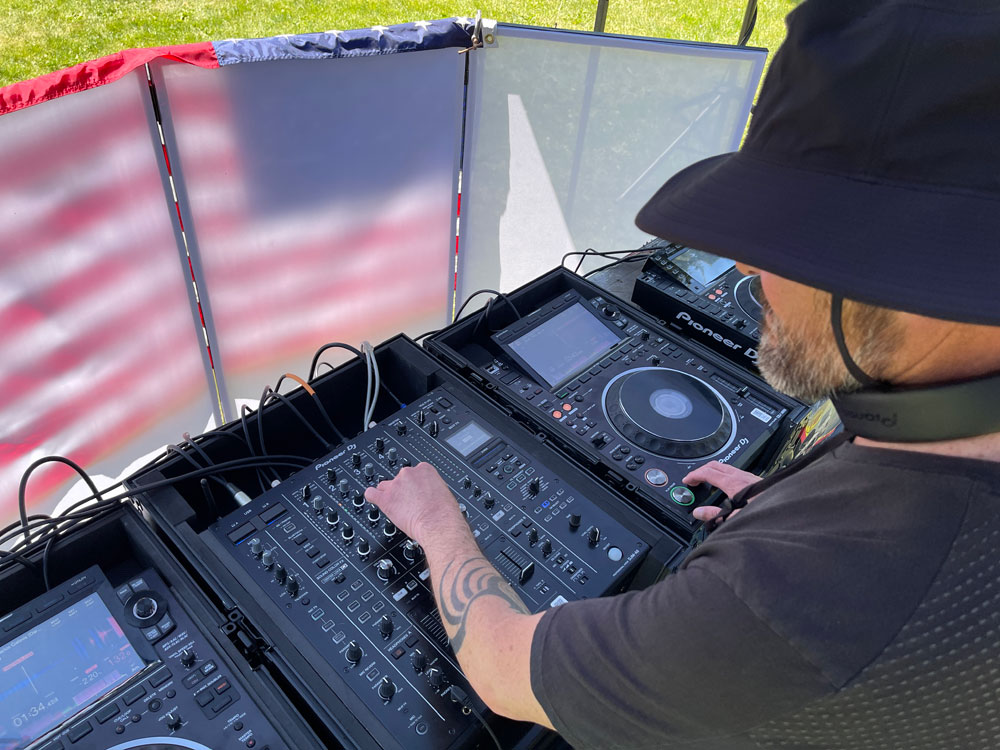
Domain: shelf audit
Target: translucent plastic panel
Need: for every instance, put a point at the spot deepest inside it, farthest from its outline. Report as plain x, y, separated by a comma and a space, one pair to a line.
100, 359
319, 200
570, 133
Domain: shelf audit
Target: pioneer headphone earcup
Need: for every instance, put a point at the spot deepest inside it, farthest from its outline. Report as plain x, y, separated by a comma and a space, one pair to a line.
949, 411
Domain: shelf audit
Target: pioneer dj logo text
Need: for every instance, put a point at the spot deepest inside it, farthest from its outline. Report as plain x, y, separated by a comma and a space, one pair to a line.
751, 353
867, 416
743, 441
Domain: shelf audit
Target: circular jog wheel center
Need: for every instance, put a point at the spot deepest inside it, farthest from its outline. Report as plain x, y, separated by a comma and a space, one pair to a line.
668, 412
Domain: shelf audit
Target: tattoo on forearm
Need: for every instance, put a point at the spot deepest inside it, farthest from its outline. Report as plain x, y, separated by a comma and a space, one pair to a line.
461, 585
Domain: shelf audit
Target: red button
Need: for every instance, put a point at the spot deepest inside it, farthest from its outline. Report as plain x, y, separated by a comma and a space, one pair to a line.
711, 296
567, 407
557, 414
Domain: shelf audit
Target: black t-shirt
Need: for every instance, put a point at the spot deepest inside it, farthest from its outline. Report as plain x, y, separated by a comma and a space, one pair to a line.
854, 604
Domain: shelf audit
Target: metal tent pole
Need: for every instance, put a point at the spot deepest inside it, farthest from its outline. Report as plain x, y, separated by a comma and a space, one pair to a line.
602, 15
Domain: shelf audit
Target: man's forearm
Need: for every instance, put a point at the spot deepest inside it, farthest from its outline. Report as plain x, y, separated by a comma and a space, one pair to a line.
491, 630
485, 619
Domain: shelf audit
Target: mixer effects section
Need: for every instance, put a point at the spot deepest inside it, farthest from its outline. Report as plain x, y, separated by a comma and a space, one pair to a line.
359, 590
91, 665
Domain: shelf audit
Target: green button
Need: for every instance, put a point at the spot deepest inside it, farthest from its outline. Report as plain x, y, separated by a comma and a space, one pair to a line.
682, 495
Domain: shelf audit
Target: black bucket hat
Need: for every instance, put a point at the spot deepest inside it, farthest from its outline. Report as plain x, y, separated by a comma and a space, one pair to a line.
871, 168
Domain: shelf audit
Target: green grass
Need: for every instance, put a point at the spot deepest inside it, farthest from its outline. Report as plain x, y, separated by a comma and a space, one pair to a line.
39, 37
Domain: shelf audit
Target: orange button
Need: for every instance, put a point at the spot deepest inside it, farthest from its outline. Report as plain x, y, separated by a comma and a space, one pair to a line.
567, 407
711, 296
557, 414
718, 291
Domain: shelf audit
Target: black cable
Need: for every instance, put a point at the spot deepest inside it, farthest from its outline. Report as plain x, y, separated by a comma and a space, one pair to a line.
244, 410
190, 459
634, 259
460, 696
325, 347
749, 22
108, 504
22, 505
270, 393
486, 291
45, 562
592, 252
338, 435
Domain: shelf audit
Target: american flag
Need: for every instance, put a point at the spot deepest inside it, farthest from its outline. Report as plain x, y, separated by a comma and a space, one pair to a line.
103, 357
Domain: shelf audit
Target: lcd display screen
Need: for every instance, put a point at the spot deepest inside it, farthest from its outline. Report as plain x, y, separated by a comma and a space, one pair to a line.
469, 438
564, 344
58, 668
701, 266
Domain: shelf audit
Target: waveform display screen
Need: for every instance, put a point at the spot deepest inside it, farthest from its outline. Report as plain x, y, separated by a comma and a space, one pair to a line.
563, 345
58, 668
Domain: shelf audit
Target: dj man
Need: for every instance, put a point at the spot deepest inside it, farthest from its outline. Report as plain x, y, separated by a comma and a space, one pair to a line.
855, 602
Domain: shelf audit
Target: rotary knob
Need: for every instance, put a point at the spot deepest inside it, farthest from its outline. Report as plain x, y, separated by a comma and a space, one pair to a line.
435, 677
574, 520
609, 311
347, 532
644, 335
318, 504
354, 652
464, 510
188, 658
380, 445
477, 491
292, 586
532, 536
404, 461
373, 514
401, 428
433, 429
546, 548
385, 626
331, 475
356, 459
358, 500
466, 483
386, 689
594, 536
389, 529
384, 569
343, 485
332, 518
418, 660
256, 548
488, 501
534, 486
369, 470
307, 492
280, 574
364, 549
391, 456
173, 721
144, 608
654, 360
411, 550
267, 558
421, 417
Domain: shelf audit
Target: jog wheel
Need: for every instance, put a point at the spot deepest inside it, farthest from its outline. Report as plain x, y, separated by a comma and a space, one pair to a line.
748, 294
668, 412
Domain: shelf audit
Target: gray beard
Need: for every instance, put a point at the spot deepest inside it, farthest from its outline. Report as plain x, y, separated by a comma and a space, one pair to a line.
808, 367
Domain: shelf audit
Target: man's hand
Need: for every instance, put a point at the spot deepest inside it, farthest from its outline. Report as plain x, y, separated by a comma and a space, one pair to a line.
727, 478
488, 625
416, 500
